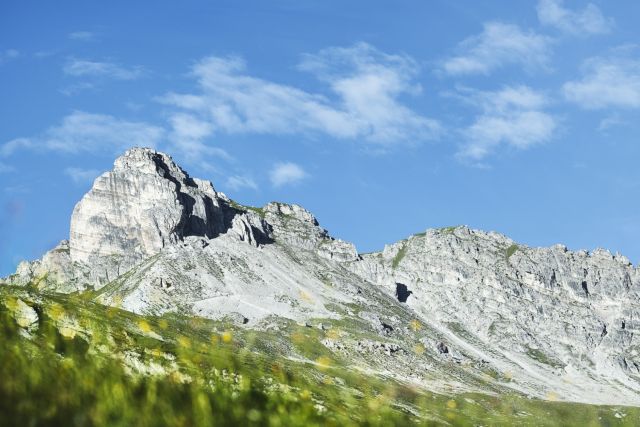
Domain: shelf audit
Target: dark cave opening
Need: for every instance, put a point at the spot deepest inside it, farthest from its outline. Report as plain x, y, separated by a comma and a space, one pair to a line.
402, 292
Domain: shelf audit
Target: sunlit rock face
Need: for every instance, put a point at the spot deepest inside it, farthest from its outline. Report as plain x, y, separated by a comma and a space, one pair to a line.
569, 317
448, 309
144, 204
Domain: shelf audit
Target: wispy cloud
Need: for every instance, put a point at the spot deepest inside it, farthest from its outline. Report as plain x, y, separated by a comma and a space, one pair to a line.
85, 132
86, 68
189, 130
8, 148
589, 20
81, 176
188, 137
498, 45
238, 182
41, 54
610, 121
4, 168
369, 84
608, 82
366, 86
286, 173
76, 88
82, 132
512, 116
84, 36
8, 55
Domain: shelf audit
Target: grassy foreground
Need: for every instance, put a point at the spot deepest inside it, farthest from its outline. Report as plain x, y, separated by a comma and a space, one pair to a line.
65, 360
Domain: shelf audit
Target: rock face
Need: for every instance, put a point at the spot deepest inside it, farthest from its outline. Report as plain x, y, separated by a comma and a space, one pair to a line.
144, 204
569, 317
297, 227
448, 309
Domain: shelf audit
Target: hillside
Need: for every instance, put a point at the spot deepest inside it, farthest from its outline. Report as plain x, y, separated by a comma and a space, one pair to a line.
165, 283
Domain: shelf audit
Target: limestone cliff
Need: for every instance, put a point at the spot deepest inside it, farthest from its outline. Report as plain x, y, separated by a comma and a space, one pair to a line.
447, 309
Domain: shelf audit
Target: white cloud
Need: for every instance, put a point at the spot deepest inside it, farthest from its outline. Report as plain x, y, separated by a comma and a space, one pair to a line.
14, 145
186, 137
511, 116
82, 132
86, 68
286, 173
84, 36
369, 84
76, 88
499, 44
607, 82
587, 21
8, 55
82, 176
366, 86
86, 132
186, 126
238, 182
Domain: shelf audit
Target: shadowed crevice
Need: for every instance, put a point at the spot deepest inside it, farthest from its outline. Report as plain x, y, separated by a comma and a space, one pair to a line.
402, 292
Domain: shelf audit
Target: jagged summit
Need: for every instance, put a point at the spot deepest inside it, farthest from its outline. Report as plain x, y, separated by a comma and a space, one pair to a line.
447, 309
144, 204
148, 203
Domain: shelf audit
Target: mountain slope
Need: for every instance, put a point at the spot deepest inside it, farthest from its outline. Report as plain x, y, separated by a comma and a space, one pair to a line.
450, 310
65, 360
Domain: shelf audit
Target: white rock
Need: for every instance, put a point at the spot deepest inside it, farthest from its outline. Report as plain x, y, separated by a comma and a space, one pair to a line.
540, 319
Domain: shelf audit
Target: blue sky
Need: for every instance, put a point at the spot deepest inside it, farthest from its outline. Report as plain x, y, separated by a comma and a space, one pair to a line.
382, 119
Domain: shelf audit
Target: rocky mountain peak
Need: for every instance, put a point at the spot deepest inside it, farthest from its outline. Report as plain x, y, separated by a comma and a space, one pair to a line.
146, 202
150, 239
148, 160
292, 211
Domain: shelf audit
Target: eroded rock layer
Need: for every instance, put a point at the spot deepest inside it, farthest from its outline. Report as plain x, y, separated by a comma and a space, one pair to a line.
448, 309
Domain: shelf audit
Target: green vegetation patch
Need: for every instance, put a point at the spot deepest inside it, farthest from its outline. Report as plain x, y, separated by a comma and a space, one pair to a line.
511, 250
447, 230
84, 364
259, 211
399, 256
243, 208
541, 357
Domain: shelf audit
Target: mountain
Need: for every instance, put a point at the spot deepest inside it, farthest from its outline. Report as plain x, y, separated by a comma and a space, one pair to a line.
449, 311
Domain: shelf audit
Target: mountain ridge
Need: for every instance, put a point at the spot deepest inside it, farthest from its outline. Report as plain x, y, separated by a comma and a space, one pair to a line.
466, 310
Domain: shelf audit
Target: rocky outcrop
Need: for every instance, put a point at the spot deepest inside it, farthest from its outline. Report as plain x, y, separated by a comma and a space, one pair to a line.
144, 204
296, 227
25, 316
573, 315
533, 320
54, 271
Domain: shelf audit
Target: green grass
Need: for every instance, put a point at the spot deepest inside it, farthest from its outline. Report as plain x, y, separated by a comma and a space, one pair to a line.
511, 250
447, 230
399, 256
80, 376
541, 357
73, 367
257, 210
243, 208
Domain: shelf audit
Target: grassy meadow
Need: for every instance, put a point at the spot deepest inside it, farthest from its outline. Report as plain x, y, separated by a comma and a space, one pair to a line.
68, 361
